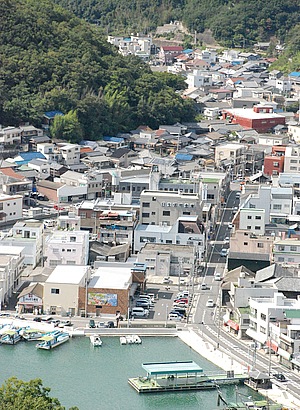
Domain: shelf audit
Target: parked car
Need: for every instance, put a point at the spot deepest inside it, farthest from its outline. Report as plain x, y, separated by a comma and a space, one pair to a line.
37, 319
218, 277
180, 304
280, 377
92, 324
139, 312
166, 280
55, 322
230, 225
185, 300
64, 323
226, 239
143, 303
210, 303
174, 316
204, 286
110, 324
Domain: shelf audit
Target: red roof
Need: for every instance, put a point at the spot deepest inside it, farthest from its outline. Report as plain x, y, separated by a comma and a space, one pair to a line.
11, 173
172, 48
85, 149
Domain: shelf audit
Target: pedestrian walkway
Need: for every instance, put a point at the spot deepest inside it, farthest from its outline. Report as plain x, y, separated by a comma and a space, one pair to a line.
219, 358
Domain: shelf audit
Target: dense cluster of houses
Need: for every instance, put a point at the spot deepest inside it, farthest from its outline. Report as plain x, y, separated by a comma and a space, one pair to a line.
144, 204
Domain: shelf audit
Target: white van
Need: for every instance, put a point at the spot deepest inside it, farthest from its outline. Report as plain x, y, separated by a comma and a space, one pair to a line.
140, 312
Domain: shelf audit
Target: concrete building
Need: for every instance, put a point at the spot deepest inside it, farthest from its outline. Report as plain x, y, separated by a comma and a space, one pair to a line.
62, 290
10, 135
168, 259
28, 235
292, 159
70, 154
287, 252
230, 156
67, 248
11, 207
11, 266
199, 79
109, 290
252, 220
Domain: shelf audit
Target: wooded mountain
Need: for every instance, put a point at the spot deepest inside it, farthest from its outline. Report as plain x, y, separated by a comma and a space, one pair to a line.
52, 60
231, 21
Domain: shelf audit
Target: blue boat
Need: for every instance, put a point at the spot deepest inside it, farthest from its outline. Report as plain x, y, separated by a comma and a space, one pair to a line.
53, 339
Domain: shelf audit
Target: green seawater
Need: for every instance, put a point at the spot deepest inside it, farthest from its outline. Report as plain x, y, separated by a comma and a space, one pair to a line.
97, 378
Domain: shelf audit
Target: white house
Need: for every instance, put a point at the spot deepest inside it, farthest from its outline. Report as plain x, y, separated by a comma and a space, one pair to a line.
10, 135
198, 79
67, 248
287, 251
11, 207
62, 288
292, 158
41, 166
70, 154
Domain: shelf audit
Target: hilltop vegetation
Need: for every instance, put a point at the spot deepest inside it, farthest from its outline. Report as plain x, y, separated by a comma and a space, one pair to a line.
50, 59
233, 22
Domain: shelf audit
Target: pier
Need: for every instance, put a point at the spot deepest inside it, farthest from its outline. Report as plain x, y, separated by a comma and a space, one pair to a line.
180, 376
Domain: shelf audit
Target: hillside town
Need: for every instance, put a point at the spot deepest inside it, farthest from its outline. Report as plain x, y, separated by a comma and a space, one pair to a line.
87, 227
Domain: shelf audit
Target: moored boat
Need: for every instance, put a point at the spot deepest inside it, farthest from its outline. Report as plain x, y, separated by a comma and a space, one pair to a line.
123, 340
136, 339
10, 337
53, 339
96, 340
31, 334
129, 339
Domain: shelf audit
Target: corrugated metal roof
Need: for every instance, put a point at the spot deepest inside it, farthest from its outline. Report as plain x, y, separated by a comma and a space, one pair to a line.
172, 367
183, 157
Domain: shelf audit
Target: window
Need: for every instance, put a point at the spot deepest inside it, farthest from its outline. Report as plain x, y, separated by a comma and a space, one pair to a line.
245, 243
70, 262
55, 250
293, 161
68, 250
276, 164
210, 196
280, 259
277, 206
55, 291
257, 228
258, 217
249, 227
249, 217
145, 214
146, 204
168, 241
293, 248
186, 213
152, 213
263, 316
281, 248
260, 245
252, 206
82, 215
73, 239
166, 213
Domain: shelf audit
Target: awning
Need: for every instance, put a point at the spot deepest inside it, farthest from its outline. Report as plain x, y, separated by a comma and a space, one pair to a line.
259, 337
272, 344
283, 353
232, 324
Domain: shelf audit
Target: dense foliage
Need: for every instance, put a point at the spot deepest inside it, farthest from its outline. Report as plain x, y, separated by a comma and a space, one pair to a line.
238, 22
51, 60
289, 60
19, 395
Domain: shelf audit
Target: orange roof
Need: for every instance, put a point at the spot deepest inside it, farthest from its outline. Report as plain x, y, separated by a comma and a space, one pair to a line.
144, 128
159, 132
11, 173
85, 149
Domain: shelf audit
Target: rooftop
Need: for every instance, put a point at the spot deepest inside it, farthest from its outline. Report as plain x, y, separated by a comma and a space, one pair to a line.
64, 274
172, 367
111, 277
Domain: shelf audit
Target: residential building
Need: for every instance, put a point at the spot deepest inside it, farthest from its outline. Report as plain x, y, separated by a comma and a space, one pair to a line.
168, 259
199, 79
63, 288
287, 251
11, 207
30, 300
67, 248
10, 135
292, 159
70, 154
41, 166
230, 156
28, 235
168, 53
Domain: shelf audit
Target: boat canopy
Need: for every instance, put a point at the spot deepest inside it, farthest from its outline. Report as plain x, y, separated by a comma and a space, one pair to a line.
10, 332
46, 338
172, 368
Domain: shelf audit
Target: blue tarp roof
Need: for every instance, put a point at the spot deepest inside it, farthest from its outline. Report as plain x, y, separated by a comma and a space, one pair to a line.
188, 51
184, 157
113, 139
28, 156
52, 114
295, 74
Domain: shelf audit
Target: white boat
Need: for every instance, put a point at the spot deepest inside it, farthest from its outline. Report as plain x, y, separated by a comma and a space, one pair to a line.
31, 334
96, 340
53, 339
10, 337
123, 340
137, 339
129, 339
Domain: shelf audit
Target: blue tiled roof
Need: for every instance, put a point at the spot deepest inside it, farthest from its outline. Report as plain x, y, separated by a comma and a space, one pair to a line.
295, 74
52, 114
184, 157
113, 139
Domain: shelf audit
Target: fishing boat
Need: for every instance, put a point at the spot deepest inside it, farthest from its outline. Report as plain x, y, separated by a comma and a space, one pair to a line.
10, 337
123, 340
31, 334
136, 339
96, 340
53, 339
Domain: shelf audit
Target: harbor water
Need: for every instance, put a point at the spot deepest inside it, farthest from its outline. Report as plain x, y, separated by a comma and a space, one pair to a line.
97, 377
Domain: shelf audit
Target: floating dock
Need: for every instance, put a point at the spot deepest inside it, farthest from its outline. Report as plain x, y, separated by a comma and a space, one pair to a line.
180, 376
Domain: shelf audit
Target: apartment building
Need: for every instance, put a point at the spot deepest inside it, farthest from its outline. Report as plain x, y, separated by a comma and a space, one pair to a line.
67, 248
292, 159
11, 266
286, 252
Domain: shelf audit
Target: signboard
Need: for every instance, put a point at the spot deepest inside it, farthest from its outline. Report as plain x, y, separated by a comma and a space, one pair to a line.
30, 298
102, 299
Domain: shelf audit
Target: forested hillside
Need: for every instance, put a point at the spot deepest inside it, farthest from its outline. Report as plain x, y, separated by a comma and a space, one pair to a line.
230, 21
51, 60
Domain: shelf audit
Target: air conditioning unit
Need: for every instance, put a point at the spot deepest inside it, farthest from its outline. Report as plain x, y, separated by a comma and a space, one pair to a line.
186, 205
168, 203
180, 204
175, 204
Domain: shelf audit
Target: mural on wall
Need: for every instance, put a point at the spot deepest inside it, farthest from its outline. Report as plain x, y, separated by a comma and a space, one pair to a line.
102, 299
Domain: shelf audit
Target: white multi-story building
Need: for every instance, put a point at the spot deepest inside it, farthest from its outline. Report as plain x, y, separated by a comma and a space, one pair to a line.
11, 207
294, 132
27, 234
50, 151
287, 251
292, 159
230, 156
10, 135
67, 248
70, 154
41, 166
62, 289
11, 266
199, 79
252, 220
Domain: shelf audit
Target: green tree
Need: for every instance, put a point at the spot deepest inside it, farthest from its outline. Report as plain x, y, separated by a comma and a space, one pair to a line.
67, 127
16, 394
